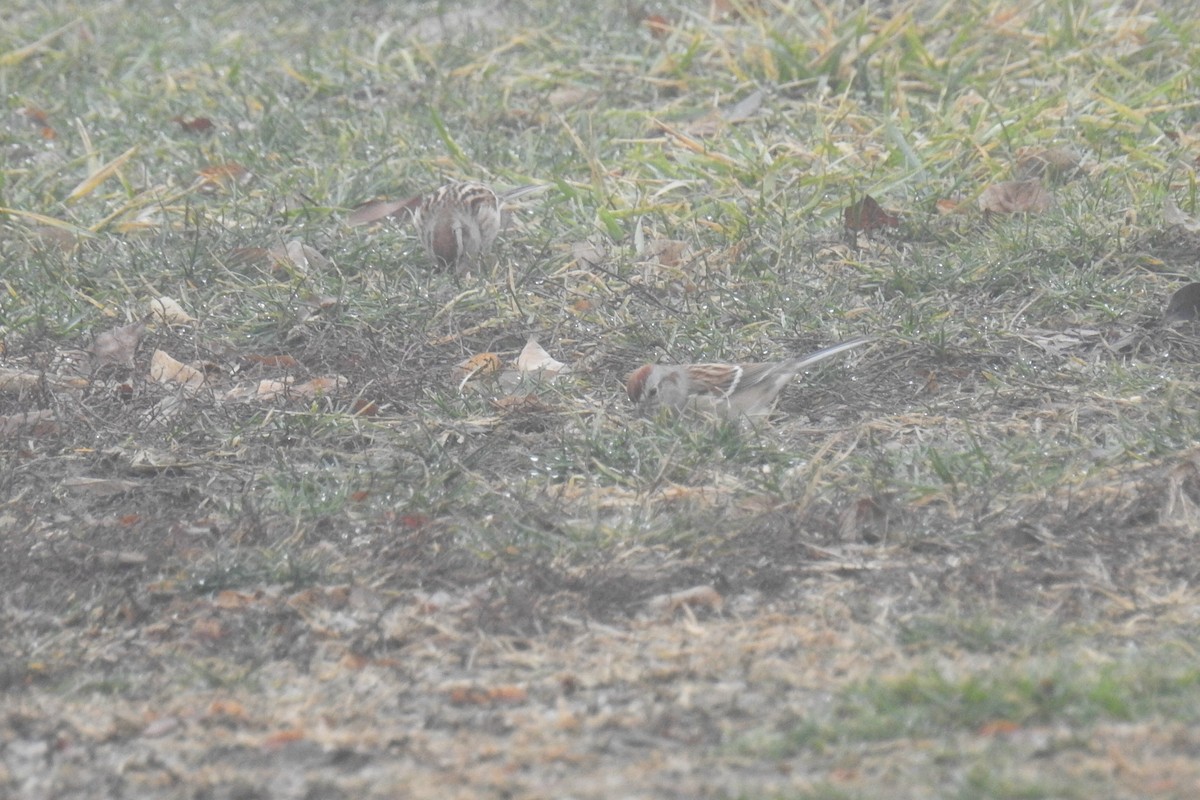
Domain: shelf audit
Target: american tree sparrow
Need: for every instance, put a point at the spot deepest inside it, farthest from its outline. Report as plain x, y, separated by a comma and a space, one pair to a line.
458, 223
726, 390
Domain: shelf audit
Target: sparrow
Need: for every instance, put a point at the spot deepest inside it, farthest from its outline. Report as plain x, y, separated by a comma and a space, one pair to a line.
725, 390
457, 223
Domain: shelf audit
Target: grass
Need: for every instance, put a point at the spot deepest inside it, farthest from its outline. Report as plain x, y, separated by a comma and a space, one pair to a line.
968, 538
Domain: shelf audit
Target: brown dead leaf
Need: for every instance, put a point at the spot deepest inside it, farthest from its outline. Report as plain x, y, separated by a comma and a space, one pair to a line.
477, 366
164, 369
868, 215
1016, 197
118, 345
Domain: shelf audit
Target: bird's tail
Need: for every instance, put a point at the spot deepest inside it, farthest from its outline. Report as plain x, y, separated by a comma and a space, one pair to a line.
800, 362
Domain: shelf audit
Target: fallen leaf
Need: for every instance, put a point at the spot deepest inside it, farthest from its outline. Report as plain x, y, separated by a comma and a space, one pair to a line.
534, 358
164, 369
477, 366
1016, 197
166, 310
868, 215
118, 345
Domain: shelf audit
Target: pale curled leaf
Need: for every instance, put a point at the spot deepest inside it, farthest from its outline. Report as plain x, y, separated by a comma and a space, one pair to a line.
534, 358
168, 311
164, 369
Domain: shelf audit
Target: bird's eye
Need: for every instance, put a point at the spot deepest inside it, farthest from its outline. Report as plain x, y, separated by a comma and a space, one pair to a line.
653, 390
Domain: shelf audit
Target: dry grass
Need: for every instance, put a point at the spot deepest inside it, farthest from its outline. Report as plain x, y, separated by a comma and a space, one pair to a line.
957, 563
